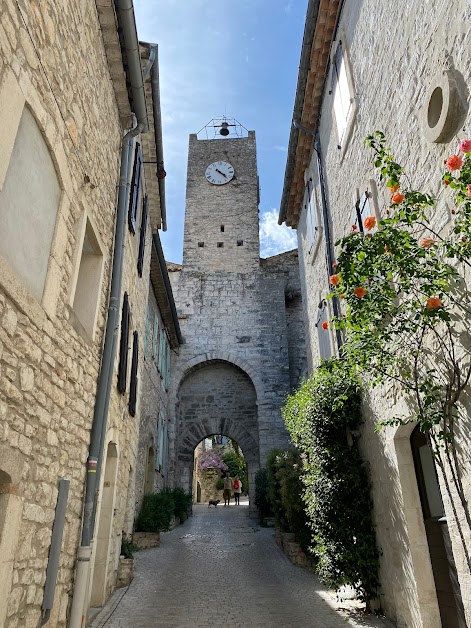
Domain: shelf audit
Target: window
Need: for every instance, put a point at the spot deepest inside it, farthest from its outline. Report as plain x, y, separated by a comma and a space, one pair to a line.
142, 237
29, 201
160, 443
323, 335
148, 333
222, 228
363, 209
342, 94
133, 383
240, 243
156, 337
167, 366
220, 245
135, 186
311, 217
165, 448
86, 297
201, 244
162, 351
123, 345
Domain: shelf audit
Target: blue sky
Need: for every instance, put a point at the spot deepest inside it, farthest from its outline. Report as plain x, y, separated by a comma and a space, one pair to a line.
241, 57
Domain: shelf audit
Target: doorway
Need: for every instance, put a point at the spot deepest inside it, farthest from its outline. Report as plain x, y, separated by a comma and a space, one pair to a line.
438, 537
105, 526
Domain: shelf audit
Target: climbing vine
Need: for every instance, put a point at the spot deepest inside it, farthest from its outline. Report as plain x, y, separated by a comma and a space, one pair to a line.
407, 307
319, 417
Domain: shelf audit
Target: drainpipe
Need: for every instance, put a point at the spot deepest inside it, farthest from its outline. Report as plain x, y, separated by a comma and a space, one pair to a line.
97, 437
155, 84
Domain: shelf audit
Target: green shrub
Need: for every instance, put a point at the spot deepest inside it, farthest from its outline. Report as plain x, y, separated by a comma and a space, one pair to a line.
156, 512
285, 490
219, 484
261, 493
183, 502
337, 489
127, 546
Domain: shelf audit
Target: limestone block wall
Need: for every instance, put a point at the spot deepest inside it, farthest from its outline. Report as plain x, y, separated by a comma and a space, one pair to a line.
48, 369
393, 65
154, 400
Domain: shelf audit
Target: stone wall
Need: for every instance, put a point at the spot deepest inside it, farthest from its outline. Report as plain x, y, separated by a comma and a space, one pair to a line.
395, 50
154, 400
48, 368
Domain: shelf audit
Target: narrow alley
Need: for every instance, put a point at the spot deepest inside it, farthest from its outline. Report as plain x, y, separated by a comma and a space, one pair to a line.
222, 569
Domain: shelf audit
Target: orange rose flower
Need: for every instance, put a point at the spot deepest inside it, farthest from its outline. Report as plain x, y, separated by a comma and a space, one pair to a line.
342, 296
325, 325
454, 162
359, 292
427, 243
397, 198
334, 280
354, 227
433, 303
369, 235
393, 189
334, 265
370, 222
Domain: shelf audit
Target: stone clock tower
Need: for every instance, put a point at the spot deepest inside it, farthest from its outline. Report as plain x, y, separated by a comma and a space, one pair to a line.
222, 196
240, 316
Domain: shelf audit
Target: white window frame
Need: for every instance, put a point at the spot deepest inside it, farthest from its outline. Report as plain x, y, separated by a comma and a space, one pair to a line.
344, 103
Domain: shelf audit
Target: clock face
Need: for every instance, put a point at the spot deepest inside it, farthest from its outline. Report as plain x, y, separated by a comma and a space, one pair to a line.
219, 172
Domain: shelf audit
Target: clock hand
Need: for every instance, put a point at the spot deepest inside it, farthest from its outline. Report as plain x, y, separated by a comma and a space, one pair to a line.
224, 175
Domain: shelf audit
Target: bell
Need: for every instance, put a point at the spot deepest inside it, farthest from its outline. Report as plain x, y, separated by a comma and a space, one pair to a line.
224, 130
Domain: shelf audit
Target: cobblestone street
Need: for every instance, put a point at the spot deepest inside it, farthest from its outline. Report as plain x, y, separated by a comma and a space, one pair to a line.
220, 569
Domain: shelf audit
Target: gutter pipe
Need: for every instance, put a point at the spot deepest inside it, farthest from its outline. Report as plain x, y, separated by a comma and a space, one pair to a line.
100, 415
155, 84
168, 287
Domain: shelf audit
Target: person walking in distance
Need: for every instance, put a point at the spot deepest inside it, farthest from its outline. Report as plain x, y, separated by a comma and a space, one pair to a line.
228, 487
237, 489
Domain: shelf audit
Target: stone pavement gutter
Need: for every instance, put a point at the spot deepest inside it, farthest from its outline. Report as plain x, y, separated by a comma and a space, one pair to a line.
221, 569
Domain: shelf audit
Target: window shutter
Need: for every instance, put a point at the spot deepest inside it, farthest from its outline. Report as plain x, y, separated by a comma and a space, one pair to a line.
160, 442
325, 349
142, 237
135, 184
123, 345
167, 365
157, 442
165, 448
133, 385
155, 342
161, 352
148, 333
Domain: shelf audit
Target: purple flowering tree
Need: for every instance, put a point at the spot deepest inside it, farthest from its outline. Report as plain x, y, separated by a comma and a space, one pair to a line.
211, 459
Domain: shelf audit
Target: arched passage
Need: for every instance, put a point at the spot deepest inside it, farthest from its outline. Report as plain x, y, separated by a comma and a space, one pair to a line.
216, 397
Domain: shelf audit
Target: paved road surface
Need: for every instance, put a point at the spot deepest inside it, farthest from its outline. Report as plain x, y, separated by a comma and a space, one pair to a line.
221, 570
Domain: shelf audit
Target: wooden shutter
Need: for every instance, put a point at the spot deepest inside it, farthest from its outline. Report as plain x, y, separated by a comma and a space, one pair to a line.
165, 448
133, 384
135, 185
323, 335
167, 365
142, 236
156, 339
123, 345
148, 333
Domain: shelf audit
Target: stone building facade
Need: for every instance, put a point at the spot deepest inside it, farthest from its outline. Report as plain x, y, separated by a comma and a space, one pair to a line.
64, 107
403, 68
162, 337
239, 356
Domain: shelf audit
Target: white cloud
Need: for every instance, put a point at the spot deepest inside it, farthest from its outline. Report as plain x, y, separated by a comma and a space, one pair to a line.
283, 149
275, 238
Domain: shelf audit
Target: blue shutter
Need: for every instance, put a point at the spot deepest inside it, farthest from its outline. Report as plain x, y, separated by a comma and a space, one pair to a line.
167, 364
147, 340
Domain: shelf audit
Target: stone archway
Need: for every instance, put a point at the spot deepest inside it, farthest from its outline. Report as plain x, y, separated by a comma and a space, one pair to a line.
216, 397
